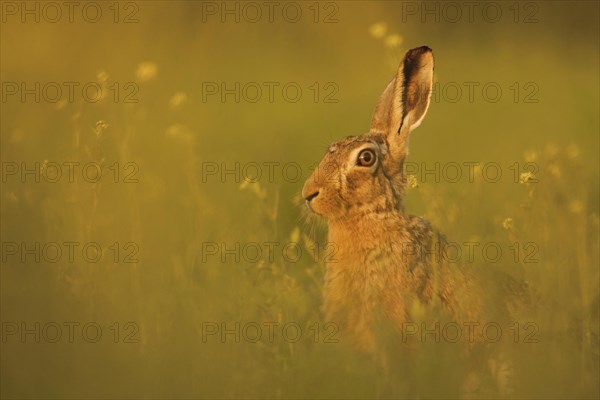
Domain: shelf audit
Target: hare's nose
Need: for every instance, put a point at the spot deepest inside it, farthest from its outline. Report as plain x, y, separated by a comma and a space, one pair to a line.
310, 197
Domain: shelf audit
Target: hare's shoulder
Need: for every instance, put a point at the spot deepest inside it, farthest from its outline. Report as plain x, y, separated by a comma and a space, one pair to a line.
421, 232
412, 244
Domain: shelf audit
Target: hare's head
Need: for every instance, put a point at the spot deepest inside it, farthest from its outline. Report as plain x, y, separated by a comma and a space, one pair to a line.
362, 174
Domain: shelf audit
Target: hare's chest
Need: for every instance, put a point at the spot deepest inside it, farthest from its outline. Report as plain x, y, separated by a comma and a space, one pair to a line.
361, 283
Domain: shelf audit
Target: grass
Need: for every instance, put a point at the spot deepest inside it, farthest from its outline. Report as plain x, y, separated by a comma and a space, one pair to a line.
175, 214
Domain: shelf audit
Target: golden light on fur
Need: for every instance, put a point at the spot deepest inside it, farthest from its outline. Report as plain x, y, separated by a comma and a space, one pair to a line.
389, 262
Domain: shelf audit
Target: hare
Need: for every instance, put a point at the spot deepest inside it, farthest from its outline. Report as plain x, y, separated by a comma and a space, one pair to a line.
386, 260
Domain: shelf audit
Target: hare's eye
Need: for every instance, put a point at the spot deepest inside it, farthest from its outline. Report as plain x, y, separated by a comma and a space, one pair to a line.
366, 158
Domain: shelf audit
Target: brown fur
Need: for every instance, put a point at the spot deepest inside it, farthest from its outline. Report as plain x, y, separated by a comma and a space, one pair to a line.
386, 259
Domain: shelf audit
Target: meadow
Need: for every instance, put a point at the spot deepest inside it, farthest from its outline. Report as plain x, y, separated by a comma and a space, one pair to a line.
154, 240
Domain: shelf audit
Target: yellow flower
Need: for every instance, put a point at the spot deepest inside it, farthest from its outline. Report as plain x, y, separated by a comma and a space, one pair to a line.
412, 182
180, 132
576, 207
551, 149
508, 224
146, 71
530, 155
12, 197
177, 99
417, 310
526, 177
378, 30
393, 40
100, 126
62, 103
102, 76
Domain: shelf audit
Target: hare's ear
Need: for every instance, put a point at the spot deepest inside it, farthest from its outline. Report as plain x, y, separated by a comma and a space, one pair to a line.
404, 102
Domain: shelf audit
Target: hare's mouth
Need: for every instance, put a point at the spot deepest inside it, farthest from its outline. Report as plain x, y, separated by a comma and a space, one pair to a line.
309, 199
310, 207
